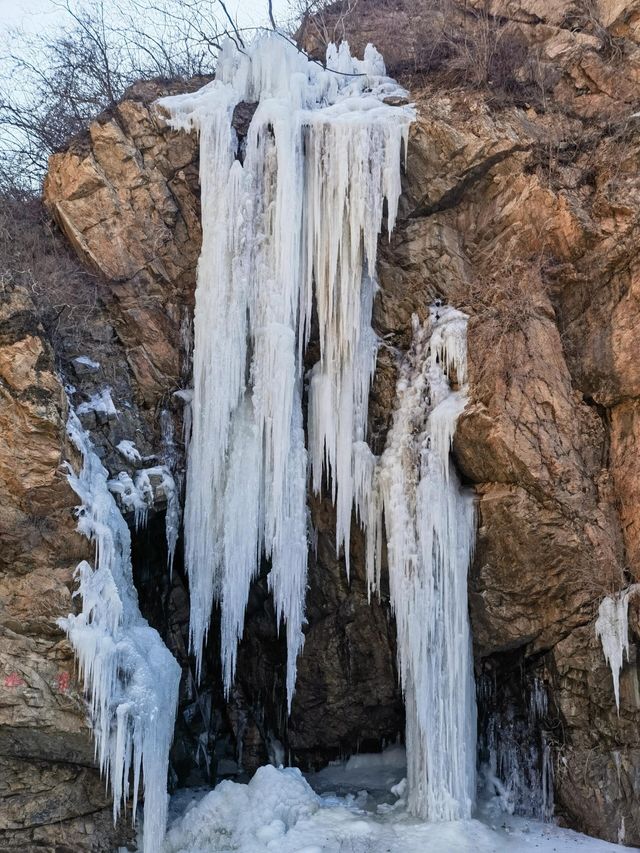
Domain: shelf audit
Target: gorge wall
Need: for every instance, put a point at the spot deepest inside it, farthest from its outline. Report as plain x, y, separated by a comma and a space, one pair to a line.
521, 206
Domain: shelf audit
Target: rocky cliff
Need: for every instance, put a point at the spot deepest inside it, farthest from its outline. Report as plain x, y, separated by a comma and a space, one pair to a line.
521, 206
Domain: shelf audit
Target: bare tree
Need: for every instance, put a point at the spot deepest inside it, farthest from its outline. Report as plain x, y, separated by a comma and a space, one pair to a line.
69, 75
324, 20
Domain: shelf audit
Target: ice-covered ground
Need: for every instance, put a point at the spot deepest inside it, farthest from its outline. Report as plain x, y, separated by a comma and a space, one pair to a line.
349, 809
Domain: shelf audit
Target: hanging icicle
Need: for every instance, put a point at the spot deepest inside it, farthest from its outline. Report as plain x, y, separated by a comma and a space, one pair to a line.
292, 228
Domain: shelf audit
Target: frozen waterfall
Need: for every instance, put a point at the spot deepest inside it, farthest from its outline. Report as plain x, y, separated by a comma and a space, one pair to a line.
130, 676
430, 529
291, 219
289, 230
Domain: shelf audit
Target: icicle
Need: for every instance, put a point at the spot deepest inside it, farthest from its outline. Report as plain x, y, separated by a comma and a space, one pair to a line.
131, 678
612, 628
293, 226
430, 527
519, 759
172, 486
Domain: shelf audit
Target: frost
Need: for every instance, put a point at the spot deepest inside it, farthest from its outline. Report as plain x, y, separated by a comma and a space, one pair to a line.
128, 450
101, 403
85, 362
131, 678
612, 628
430, 526
291, 228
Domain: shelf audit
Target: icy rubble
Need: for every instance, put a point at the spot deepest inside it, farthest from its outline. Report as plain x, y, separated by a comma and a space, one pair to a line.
612, 628
291, 227
129, 675
279, 811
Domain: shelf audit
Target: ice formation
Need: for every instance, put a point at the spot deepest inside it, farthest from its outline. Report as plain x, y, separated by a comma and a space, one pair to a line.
612, 627
83, 361
171, 485
290, 226
130, 677
279, 811
101, 403
430, 528
128, 450
518, 763
291, 230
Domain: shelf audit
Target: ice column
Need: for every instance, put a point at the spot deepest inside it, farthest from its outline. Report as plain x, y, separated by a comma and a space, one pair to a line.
130, 676
290, 228
430, 528
612, 627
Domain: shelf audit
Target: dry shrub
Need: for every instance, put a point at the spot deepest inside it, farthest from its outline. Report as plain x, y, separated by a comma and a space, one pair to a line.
466, 46
503, 298
584, 16
34, 257
488, 53
320, 22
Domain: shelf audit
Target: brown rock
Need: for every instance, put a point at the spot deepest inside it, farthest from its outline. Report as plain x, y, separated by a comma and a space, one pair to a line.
50, 792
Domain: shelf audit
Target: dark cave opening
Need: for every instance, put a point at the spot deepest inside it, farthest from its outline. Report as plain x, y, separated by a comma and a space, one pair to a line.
515, 733
339, 707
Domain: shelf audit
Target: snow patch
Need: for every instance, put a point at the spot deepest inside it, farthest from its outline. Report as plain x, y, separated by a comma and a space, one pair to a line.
279, 811
84, 364
100, 403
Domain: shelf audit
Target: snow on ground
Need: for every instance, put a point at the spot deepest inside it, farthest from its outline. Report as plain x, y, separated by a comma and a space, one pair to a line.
345, 811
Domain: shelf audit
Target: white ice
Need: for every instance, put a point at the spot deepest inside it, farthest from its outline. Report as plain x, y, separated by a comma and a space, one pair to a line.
279, 811
291, 227
612, 627
129, 675
85, 361
99, 402
128, 450
430, 529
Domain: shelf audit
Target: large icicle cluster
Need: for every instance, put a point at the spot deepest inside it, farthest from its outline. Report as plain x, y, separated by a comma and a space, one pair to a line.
289, 230
130, 676
430, 529
289, 235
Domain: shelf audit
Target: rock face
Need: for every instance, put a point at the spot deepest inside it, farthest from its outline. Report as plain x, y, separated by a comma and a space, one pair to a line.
521, 201
51, 795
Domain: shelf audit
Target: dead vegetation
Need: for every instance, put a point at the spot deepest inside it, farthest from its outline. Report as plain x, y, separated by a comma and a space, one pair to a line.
35, 258
506, 294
